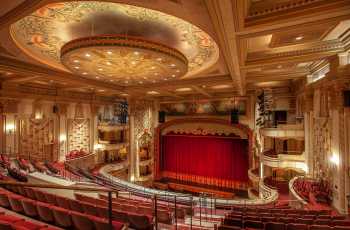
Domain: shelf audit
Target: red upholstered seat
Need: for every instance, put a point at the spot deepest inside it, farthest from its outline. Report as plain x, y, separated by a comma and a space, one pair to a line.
45, 212
268, 219
304, 221
21, 191
50, 198
29, 207
81, 221
90, 209
139, 221
341, 222
10, 219
253, 224
63, 202
341, 228
40, 195
15, 203
27, 225
76, 205
275, 226
4, 201
102, 211
339, 217
5, 225
102, 224
322, 222
120, 216
320, 227
233, 222
297, 227
225, 227
30, 193
62, 217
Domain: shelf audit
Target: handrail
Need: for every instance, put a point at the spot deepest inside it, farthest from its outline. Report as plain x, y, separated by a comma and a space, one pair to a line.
68, 187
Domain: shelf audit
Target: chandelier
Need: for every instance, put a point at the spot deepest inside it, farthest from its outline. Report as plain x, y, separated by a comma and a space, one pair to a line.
123, 59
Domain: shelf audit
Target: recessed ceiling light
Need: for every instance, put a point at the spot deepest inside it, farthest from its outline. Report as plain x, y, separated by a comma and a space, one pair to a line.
177, 71
279, 66
152, 92
87, 55
156, 74
165, 79
140, 82
204, 86
145, 78
299, 38
183, 89
153, 67
100, 69
76, 67
159, 59
221, 86
109, 52
173, 75
108, 63
97, 77
124, 94
8, 73
51, 81
111, 80
101, 90
136, 53
76, 61
172, 65
154, 81
126, 82
133, 63
84, 73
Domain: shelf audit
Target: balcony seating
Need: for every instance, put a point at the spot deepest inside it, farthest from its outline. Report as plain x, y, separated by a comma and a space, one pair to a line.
51, 167
29, 207
15, 203
45, 212
81, 221
10, 222
62, 217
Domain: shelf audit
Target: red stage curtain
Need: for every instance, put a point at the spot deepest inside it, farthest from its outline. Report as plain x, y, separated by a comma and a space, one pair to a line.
205, 156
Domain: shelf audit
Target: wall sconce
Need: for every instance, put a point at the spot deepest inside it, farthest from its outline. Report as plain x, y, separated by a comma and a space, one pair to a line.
10, 128
98, 147
334, 159
63, 138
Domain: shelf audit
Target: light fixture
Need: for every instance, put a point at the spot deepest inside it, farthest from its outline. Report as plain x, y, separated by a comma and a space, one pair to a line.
76, 67
124, 49
63, 138
97, 77
84, 73
299, 38
173, 75
334, 159
10, 127
152, 93
76, 61
221, 86
279, 66
183, 89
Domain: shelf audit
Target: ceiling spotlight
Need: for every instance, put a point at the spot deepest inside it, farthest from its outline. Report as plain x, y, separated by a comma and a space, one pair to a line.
124, 94
136, 53
140, 82
84, 73
172, 65
126, 82
133, 63
177, 71
108, 63
299, 38
51, 81
76, 61
145, 78
111, 80
153, 67
165, 79
159, 59
279, 66
152, 92
173, 75
87, 55
101, 90
156, 74
183, 89
154, 81
100, 69
76, 67
97, 77
109, 52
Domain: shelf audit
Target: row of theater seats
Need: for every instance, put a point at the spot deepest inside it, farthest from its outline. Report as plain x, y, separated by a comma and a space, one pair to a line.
283, 219
320, 189
9, 222
164, 214
48, 207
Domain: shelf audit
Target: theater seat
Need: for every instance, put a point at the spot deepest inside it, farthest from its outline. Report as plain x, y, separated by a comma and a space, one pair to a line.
27, 225
40, 196
320, 227
76, 206
233, 222
297, 227
253, 224
50, 198
5, 225
4, 201
30, 193
341, 222
10, 219
15, 203
225, 227
29, 207
275, 226
102, 224
139, 221
341, 228
120, 216
45, 212
81, 221
63, 202
62, 217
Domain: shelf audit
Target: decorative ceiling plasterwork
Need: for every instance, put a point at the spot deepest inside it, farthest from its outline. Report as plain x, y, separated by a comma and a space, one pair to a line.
42, 34
122, 57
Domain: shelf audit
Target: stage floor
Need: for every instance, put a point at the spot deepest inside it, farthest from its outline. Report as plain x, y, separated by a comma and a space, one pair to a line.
198, 189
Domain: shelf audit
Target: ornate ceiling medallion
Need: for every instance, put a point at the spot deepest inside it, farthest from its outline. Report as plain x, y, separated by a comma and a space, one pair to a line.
123, 57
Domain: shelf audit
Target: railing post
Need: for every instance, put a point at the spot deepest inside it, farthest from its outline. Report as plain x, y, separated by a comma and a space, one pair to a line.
200, 210
175, 212
192, 212
155, 211
110, 210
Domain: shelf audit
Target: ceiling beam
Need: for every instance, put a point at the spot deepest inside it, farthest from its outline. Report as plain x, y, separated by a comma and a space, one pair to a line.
225, 24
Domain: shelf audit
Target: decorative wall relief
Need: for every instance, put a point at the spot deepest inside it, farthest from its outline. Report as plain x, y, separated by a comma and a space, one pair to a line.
37, 139
215, 107
79, 134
